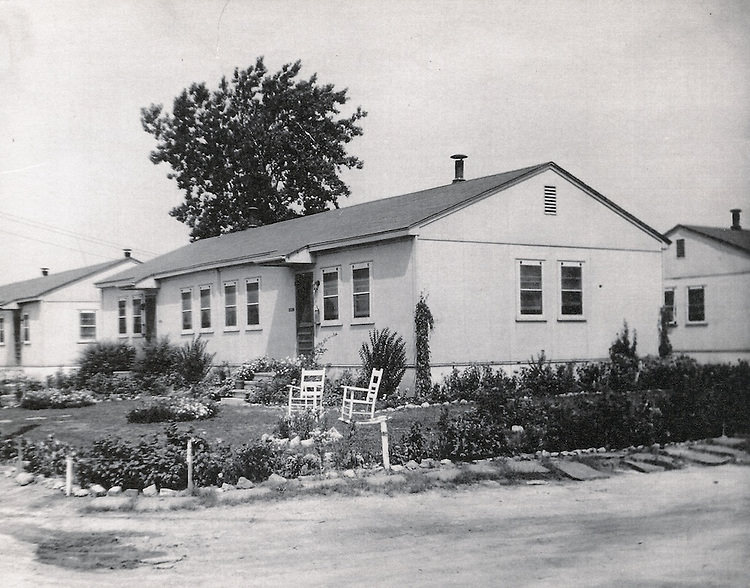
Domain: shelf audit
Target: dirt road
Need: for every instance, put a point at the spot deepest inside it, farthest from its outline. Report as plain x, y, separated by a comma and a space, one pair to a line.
687, 527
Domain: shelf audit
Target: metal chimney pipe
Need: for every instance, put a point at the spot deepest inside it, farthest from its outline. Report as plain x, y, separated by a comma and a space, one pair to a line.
45, 271
459, 159
127, 252
736, 219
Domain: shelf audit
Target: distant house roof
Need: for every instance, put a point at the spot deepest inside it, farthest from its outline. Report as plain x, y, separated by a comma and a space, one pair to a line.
737, 238
376, 220
35, 288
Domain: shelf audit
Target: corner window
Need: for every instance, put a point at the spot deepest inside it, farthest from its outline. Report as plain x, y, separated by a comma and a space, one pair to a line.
696, 304
137, 315
2, 331
571, 289
361, 290
530, 299
122, 316
331, 294
669, 306
230, 304
187, 309
252, 287
87, 325
205, 297
680, 247
25, 329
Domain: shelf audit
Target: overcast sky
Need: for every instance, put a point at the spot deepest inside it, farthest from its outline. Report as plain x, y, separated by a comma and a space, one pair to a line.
647, 102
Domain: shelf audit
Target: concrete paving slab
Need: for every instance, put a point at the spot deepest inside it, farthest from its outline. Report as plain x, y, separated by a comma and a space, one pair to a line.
655, 459
697, 456
738, 455
642, 466
525, 467
577, 470
729, 441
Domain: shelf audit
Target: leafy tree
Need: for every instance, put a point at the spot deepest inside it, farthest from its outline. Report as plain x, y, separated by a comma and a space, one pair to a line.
259, 149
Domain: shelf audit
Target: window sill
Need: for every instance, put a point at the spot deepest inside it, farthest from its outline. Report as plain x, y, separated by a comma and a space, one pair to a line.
697, 324
206, 332
571, 319
191, 332
531, 319
331, 324
363, 321
122, 335
27, 342
231, 329
86, 341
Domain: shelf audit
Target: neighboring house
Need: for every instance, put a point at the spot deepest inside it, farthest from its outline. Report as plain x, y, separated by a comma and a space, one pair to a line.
511, 265
707, 291
46, 321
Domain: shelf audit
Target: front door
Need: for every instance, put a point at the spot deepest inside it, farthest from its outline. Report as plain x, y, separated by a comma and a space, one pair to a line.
303, 285
150, 317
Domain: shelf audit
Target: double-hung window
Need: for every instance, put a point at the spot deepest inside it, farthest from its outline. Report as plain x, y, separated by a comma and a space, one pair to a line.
252, 290
137, 315
331, 294
87, 325
571, 289
2, 331
530, 293
696, 304
122, 316
205, 300
230, 304
25, 329
669, 306
361, 292
187, 309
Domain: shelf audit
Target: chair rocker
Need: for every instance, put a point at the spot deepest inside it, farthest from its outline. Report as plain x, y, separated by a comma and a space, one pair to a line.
308, 395
361, 401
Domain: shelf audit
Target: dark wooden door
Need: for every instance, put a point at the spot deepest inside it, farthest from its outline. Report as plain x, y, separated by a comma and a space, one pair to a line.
303, 285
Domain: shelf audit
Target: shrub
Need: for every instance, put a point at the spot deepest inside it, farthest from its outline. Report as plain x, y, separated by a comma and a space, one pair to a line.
53, 398
157, 362
414, 444
102, 384
423, 324
472, 435
175, 408
624, 360
471, 383
539, 378
665, 317
300, 423
192, 362
105, 358
387, 351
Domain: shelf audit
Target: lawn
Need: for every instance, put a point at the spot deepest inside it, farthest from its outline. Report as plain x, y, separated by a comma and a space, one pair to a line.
235, 424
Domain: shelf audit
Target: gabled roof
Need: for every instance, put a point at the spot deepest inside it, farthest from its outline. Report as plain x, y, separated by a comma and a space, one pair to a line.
737, 238
376, 220
35, 288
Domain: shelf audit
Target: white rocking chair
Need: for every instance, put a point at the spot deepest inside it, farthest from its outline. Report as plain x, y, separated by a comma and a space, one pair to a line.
308, 395
365, 405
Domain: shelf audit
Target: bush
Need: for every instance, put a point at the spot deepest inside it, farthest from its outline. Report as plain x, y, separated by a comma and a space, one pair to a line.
414, 444
539, 378
53, 398
472, 435
105, 385
192, 362
300, 423
104, 358
624, 360
387, 351
470, 383
158, 363
176, 408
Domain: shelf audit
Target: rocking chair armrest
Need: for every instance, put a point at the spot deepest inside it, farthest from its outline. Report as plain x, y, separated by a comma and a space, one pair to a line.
353, 390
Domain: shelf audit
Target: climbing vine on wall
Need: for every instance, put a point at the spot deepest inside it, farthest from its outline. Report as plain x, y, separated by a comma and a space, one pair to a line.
423, 324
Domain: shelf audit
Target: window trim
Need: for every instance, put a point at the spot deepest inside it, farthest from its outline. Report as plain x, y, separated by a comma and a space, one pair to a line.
81, 326
122, 317
673, 290
570, 317
201, 289
259, 325
26, 329
704, 320
188, 310
363, 320
236, 325
522, 317
337, 320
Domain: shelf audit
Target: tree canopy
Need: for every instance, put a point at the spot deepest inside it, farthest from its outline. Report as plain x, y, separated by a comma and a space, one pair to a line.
259, 149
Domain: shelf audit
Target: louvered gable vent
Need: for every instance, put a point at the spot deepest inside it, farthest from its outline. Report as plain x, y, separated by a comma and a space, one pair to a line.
550, 200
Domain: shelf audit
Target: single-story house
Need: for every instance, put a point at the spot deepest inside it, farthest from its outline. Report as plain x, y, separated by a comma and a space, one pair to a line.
510, 264
46, 321
707, 291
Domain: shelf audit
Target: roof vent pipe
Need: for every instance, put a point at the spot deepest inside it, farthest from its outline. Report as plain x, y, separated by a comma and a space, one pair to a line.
253, 218
736, 219
127, 252
45, 271
459, 159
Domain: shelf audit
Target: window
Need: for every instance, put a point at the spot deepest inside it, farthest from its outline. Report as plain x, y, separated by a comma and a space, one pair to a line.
2, 331
137, 315
230, 304
696, 304
87, 322
571, 289
331, 294
252, 287
680, 245
530, 288
669, 306
550, 200
122, 322
361, 290
25, 329
205, 307
187, 309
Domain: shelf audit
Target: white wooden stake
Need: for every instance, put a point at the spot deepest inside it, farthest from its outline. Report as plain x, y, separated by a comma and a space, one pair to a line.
190, 466
68, 476
384, 440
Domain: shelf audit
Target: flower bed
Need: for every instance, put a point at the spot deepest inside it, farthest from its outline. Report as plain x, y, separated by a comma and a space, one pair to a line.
54, 398
176, 408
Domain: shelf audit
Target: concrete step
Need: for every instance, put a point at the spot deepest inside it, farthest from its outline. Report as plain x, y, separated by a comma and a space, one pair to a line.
696, 456
642, 466
577, 470
655, 459
737, 455
729, 441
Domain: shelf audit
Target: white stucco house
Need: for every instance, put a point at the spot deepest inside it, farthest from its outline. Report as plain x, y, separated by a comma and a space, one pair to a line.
707, 289
511, 264
46, 321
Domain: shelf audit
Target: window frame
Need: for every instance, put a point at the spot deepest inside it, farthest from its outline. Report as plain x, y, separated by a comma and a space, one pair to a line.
139, 316
26, 329
528, 317
209, 327
570, 317
256, 282
335, 270
368, 319
679, 246
188, 310
122, 317
673, 306
702, 321
81, 326
2, 331
227, 306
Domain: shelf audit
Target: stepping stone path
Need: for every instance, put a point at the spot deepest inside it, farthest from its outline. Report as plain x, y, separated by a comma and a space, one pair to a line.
737, 455
525, 467
697, 456
654, 459
728, 441
577, 470
642, 466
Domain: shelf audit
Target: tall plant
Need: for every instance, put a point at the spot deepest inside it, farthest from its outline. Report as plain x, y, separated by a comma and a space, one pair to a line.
423, 324
665, 347
385, 350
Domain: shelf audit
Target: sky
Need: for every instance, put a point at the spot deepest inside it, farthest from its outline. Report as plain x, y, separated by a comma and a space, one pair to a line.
647, 102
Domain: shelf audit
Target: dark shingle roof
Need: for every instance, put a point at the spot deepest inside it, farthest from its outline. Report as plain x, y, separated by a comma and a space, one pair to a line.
382, 217
37, 287
739, 239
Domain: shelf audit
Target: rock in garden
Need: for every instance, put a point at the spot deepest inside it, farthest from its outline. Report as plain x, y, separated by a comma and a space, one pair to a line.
307, 443
425, 405
446, 461
349, 474
243, 483
463, 401
97, 490
57, 483
114, 491
294, 442
411, 465
131, 492
150, 490
334, 434
427, 462
24, 479
265, 437
276, 479
80, 492
167, 492
397, 468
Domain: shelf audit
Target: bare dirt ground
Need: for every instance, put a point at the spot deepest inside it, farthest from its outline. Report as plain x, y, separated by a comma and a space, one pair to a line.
688, 527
